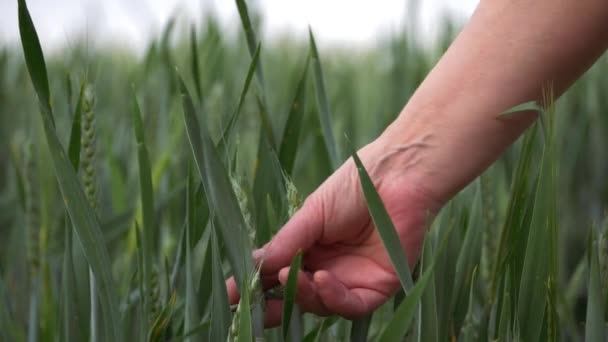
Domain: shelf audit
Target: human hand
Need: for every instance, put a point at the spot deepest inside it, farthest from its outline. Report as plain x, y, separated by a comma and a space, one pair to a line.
346, 270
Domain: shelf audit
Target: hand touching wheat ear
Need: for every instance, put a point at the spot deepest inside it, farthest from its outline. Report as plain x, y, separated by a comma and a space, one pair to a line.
346, 269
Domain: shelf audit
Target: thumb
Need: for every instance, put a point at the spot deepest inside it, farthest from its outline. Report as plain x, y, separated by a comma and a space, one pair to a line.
300, 233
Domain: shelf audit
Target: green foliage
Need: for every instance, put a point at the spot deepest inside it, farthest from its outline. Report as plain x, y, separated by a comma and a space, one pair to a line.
168, 179
147, 205
385, 228
290, 294
323, 103
81, 214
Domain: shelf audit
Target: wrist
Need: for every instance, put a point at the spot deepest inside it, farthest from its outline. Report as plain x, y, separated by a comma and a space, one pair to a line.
403, 156
441, 151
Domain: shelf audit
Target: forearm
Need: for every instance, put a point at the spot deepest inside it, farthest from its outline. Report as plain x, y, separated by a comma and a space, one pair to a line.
507, 54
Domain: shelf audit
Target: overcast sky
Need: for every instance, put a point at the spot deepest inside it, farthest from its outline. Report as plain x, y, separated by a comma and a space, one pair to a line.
132, 23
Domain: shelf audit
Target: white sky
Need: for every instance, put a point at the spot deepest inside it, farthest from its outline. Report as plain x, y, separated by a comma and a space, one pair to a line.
132, 23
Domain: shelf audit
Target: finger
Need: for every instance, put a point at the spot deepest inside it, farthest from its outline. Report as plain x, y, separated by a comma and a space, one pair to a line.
339, 299
306, 293
234, 291
300, 233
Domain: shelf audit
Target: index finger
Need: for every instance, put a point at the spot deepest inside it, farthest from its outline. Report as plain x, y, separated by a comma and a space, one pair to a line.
300, 233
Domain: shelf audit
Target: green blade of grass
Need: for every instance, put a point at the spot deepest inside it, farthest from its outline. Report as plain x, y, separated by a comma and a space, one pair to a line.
400, 323
34, 58
445, 266
218, 189
180, 257
196, 74
267, 129
604, 262
200, 329
250, 35
595, 327
7, 324
360, 329
268, 190
513, 232
538, 271
147, 205
220, 310
272, 219
323, 103
505, 320
68, 89
19, 180
166, 281
143, 328
201, 218
398, 326
71, 318
289, 296
385, 228
229, 130
205, 284
201, 215
468, 256
191, 316
83, 217
428, 324
469, 332
317, 332
245, 332
291, 133
75, 134
222, 201
161, 323
87, 228
33, 317
445, 262
524, 107
165, 46
576, 285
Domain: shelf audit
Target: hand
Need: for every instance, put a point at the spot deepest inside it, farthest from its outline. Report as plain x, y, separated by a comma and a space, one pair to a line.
346, 270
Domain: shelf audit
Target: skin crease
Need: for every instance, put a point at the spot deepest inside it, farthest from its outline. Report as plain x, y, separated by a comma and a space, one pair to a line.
510, 52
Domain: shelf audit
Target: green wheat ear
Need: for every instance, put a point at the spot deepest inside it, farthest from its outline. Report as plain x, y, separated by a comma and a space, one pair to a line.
294, 201
32, 209
154, 295
89, 181
88, 140
33, 235
255, 290
243, 200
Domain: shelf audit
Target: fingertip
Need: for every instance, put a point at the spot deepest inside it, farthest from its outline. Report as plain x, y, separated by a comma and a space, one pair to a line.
322, 278
284, 275
299, 233
233, 291
258, 255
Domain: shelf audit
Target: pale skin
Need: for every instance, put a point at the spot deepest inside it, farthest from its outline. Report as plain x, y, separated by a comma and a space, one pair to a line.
448, 134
